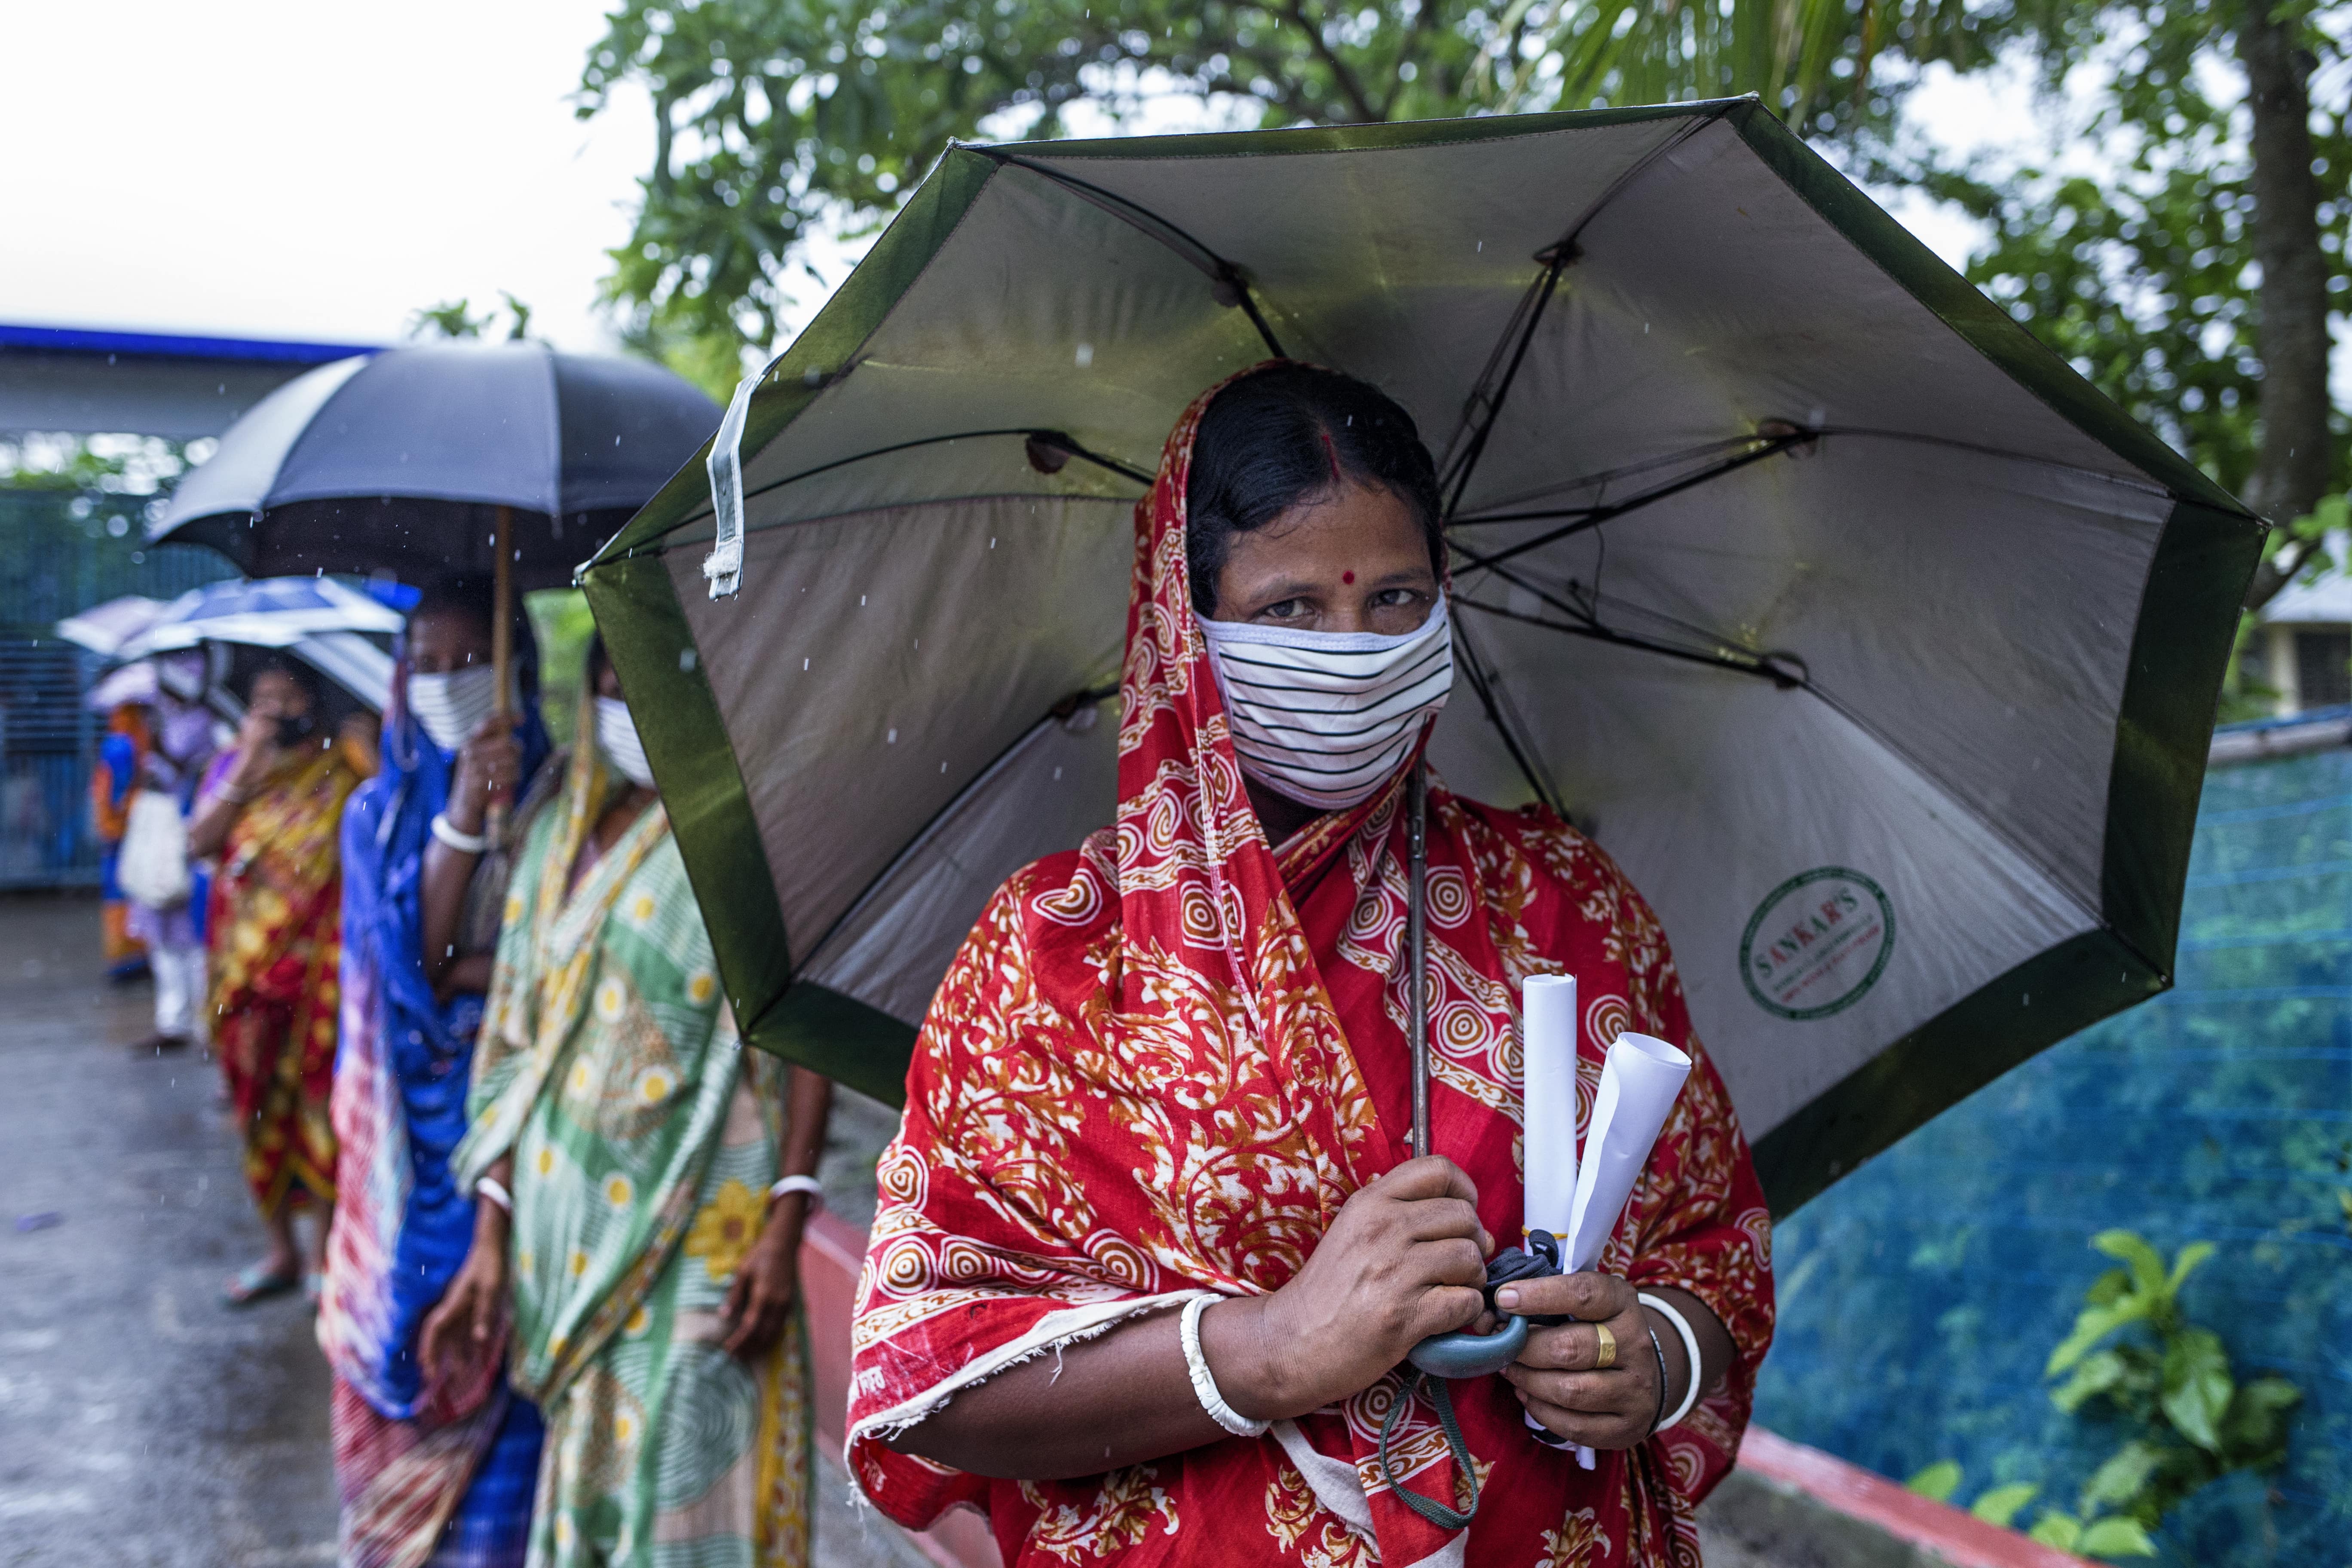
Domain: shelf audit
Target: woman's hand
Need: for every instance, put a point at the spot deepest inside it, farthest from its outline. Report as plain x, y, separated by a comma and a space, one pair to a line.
258, 749
761, 1299
487, 766
460, 1332
1559, 1377
1403, 1260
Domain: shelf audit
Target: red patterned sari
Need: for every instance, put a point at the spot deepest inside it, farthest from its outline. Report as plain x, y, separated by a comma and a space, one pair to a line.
1163, 1060
274, 938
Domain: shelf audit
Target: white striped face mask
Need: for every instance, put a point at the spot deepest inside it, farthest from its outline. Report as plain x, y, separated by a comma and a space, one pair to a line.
1326, 718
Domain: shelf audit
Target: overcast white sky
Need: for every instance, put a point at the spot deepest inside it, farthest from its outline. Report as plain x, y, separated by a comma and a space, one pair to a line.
269, 168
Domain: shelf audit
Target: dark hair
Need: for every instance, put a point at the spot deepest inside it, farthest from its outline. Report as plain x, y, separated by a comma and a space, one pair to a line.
1284, 434
293, 669
476, 599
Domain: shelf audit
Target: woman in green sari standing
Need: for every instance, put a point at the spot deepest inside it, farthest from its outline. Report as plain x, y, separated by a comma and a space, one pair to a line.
645, 1179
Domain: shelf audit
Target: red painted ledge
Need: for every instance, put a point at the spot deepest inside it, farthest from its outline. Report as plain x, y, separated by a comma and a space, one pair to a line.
833, 1250
1958, 1537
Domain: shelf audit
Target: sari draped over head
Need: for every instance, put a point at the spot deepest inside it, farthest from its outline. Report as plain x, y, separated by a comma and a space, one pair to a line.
1162, 1061
645, 1140
275, 936
427, 1471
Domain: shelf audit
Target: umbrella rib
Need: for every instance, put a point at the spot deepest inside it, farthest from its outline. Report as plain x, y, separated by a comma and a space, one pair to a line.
1761, 665
1142, 218
1767, 667
1591, 517
1058, 439
1538, 779
1555, 258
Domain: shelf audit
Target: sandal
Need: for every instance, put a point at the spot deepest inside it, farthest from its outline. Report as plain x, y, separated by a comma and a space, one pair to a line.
258, 1282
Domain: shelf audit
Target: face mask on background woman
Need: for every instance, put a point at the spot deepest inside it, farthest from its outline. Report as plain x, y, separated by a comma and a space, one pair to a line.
452, 707
1325, 718
616, 736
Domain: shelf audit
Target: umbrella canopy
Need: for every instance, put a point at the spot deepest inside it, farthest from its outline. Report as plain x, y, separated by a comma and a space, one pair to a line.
268, 612
1877, 647
125, 683
398, 461
103, 628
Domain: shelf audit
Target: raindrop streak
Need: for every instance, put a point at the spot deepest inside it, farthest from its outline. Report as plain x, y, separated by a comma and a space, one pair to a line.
804, 664
861, 601
892, 738
1085, 355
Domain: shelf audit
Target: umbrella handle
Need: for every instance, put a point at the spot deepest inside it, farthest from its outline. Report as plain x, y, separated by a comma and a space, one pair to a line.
501, 645
1416, 927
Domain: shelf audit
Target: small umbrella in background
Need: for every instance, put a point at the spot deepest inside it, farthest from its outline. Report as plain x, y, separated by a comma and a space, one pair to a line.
103, 628
125, 683
1877, 645
317, 619
510, 458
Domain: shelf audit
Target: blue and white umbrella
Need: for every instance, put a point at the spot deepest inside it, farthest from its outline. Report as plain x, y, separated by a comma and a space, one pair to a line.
317, 619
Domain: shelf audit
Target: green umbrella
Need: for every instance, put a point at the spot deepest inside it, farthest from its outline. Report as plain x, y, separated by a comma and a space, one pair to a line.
1878, 648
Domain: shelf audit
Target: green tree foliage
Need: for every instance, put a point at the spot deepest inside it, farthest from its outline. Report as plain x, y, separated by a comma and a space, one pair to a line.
2143, 278
456, 318
2133, 1358
777, 116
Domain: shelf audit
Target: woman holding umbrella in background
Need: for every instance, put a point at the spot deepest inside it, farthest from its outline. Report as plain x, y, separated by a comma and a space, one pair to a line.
437, 1471
645, 1179
268, 812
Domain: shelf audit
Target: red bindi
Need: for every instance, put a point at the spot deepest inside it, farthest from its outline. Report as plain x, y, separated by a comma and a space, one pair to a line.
1347, 576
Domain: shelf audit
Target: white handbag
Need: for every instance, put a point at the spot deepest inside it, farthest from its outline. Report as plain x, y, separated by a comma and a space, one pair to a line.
152, 869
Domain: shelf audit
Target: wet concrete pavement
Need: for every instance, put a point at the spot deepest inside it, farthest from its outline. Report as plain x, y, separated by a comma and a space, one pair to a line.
143, 1422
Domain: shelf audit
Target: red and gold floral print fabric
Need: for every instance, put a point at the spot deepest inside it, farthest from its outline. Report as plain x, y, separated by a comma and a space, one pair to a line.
1160, 1064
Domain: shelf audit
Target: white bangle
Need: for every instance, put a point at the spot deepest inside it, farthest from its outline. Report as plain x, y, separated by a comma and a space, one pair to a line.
1204, 1388
1690, 1351
493, 1189
456, 839
809, 1185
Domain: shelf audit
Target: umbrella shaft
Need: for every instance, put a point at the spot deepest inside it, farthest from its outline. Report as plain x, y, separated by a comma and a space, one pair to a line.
1416, 937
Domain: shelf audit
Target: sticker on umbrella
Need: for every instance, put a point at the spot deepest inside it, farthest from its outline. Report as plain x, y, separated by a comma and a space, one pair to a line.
1817, 944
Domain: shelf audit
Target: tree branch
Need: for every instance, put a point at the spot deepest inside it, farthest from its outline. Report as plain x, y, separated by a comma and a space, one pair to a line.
1340, 73
2294, 468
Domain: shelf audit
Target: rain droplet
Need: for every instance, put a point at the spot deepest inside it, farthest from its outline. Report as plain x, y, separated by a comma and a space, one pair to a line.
943, 767
686, 659
992, 538
1085, 355
804, 664
893, 739
1057, 773
861, 601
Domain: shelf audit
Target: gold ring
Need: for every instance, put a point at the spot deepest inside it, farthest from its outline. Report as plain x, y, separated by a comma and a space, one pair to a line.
1608, 1356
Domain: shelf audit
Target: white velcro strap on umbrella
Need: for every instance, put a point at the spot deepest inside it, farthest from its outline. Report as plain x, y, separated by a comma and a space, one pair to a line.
724, 564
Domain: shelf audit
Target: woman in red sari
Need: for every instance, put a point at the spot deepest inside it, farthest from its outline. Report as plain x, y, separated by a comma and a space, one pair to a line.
1170, 1068
271, 811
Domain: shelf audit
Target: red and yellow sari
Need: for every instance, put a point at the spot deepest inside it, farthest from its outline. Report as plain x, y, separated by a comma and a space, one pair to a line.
274, 932
1163, 1060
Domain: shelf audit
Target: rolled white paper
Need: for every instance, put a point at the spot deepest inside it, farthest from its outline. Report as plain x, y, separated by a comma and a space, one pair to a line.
1639, 1081
1548, 1101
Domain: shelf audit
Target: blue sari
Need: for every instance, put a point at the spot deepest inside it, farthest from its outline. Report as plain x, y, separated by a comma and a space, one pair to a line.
427, 1473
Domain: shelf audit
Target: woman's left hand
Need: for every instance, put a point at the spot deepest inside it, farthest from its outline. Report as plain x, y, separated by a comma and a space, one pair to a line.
761, 1299
1558, 1376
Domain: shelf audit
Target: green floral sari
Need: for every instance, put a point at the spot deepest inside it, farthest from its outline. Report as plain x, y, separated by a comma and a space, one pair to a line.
645, 1140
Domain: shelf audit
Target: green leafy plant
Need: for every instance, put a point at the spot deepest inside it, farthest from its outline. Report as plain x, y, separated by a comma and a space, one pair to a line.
2111, 1536
2133, 1357
2133, 1353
